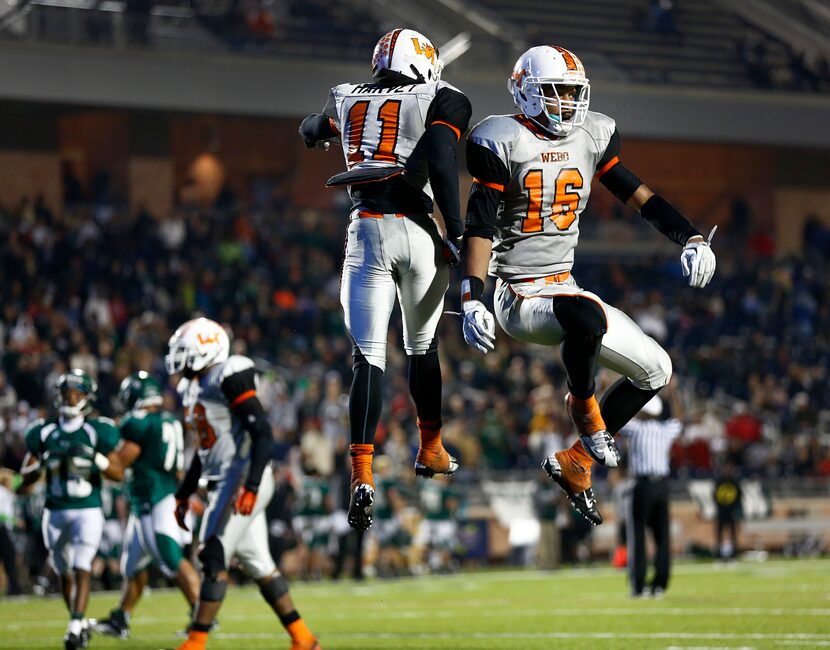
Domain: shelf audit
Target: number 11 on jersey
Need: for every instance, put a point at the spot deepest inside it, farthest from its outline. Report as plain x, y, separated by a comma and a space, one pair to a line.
389, 118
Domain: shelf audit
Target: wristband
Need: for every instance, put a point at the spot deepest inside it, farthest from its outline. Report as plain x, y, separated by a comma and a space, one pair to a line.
472, 288
101, 461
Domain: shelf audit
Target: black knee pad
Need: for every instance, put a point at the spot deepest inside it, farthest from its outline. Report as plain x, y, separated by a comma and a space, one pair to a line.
212, 590
580, 317
212, 558
274, 589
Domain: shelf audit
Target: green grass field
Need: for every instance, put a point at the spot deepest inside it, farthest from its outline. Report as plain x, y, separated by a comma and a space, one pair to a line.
771, 605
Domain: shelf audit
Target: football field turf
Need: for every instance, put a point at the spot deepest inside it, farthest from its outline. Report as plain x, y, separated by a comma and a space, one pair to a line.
774, 604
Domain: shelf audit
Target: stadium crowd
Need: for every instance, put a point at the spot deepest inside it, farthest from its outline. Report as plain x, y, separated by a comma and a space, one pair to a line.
97, 288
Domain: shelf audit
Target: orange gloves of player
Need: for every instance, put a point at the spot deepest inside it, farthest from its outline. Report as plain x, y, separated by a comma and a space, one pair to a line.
245, 502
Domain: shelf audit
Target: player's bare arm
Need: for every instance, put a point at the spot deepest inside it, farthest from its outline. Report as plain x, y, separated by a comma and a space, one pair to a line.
128, 453
31, 472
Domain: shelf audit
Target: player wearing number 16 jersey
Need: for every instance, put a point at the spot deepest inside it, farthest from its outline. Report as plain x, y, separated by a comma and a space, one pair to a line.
153, 447
532, 177
223, 412
76, 451
399, 134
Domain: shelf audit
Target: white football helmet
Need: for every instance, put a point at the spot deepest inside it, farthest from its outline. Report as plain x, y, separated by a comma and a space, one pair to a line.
197, 344
409, 53
537, 83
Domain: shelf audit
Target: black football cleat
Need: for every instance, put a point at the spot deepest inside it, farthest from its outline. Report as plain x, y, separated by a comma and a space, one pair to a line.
580, 496
114, 626
361, 507
72, 641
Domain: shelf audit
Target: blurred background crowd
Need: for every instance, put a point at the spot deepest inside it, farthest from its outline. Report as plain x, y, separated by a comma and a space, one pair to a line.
93, 277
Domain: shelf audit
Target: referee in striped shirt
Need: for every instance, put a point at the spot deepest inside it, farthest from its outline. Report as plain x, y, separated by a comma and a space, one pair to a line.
649, 441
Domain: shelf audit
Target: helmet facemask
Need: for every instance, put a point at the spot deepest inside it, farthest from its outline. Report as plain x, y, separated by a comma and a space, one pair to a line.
75, 382
563, 103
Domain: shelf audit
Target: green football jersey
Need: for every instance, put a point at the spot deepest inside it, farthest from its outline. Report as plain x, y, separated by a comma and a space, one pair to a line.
438, 501
315, 491
71, 481
161, 439
110, 492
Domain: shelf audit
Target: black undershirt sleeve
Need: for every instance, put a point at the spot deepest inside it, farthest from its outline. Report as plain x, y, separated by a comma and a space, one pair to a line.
191, 479
490, 176
256, 422
315, 128
240, 391
447, 119
668, 220
619, 180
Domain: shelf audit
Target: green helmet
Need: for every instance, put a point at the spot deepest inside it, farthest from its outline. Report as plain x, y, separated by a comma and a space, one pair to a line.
75, 379
138, 391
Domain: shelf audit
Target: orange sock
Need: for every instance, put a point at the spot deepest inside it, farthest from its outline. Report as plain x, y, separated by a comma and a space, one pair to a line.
430, 435
590, 407
299, 632
362, 464
197, 638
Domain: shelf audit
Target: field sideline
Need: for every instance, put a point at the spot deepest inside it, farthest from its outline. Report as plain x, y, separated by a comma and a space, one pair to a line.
774, 604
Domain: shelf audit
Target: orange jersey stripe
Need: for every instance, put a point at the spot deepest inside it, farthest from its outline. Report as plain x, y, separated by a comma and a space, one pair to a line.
455, 129
615, 160
248, 394
493, 186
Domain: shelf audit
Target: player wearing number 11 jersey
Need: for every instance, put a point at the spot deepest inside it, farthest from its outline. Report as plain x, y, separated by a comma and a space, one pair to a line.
532, 176
224, 414
399, 134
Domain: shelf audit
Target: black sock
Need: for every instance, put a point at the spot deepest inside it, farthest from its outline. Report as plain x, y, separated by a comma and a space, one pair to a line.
622, 402
425, 385
365, 403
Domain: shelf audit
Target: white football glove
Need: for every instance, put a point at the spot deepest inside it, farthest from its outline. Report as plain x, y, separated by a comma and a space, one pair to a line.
698, 261
479, 326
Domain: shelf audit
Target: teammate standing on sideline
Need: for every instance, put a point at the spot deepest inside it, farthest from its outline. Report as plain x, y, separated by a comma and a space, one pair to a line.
532, 175
223, 412
399, 134
649, 442
153, 446
76, 451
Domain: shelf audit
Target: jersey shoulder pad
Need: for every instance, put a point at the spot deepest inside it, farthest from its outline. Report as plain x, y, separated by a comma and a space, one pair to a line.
236, 363
600, 126
495, 128
132, 428
440, 85
32, 436
107, 422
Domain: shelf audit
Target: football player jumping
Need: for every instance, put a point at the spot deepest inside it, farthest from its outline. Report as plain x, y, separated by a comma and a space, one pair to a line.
222, 411
399, 134
532, 175
153, 447
75, 451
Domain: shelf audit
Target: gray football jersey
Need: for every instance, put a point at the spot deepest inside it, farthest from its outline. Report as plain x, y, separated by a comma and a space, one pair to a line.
224, 445
381, 125
550, 181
